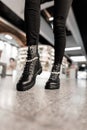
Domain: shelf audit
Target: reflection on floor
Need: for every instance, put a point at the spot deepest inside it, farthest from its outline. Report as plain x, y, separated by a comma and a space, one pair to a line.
40, 109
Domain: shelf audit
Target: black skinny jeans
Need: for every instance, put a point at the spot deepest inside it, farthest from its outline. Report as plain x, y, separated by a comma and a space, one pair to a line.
32, 19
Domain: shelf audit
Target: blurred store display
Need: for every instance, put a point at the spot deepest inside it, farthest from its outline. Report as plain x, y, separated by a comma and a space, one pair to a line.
9, 52
8, 55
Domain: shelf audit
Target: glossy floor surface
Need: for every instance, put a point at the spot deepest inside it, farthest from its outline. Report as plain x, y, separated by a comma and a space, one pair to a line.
40, 109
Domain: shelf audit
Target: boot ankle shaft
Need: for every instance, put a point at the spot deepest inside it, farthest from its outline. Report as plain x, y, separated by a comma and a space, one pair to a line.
56, 68
32, 52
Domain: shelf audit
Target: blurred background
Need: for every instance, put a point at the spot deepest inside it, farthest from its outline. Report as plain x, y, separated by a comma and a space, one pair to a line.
38, 109
12, 36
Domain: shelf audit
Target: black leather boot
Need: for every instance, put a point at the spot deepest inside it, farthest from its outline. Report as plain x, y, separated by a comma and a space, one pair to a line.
54, 80
31, 69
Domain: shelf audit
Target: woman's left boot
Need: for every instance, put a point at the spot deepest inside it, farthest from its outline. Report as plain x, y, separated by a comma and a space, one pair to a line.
54, 79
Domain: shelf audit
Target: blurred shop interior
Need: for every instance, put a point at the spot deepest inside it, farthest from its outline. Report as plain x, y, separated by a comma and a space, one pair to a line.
12, 36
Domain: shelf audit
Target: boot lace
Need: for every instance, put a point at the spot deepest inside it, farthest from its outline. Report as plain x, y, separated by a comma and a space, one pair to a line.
55, 72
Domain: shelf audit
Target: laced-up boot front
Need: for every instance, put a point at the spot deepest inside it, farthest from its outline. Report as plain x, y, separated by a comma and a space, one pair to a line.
54, 80
31, 69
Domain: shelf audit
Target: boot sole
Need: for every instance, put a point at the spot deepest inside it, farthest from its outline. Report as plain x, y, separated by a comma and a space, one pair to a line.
52, 86
32, 83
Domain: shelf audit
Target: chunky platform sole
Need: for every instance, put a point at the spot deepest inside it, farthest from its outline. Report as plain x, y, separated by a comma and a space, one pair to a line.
52, 86
30, 85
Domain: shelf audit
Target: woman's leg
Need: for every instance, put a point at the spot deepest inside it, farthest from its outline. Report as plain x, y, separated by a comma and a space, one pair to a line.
32, 20
61, 9
32, 64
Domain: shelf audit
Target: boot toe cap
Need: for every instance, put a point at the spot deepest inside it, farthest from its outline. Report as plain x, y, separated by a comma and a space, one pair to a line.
19, 87
52, 85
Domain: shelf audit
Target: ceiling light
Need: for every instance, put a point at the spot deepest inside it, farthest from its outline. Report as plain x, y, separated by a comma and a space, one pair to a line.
51, 18
78, 58
83, 65
8, 37
72, 48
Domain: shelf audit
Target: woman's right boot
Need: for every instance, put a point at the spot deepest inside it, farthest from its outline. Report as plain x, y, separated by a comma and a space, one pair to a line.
31, 69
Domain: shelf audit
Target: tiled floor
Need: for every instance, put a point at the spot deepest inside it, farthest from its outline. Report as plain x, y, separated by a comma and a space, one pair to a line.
40, 109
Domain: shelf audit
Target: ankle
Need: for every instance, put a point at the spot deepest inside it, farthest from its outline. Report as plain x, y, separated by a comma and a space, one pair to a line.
56, 67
